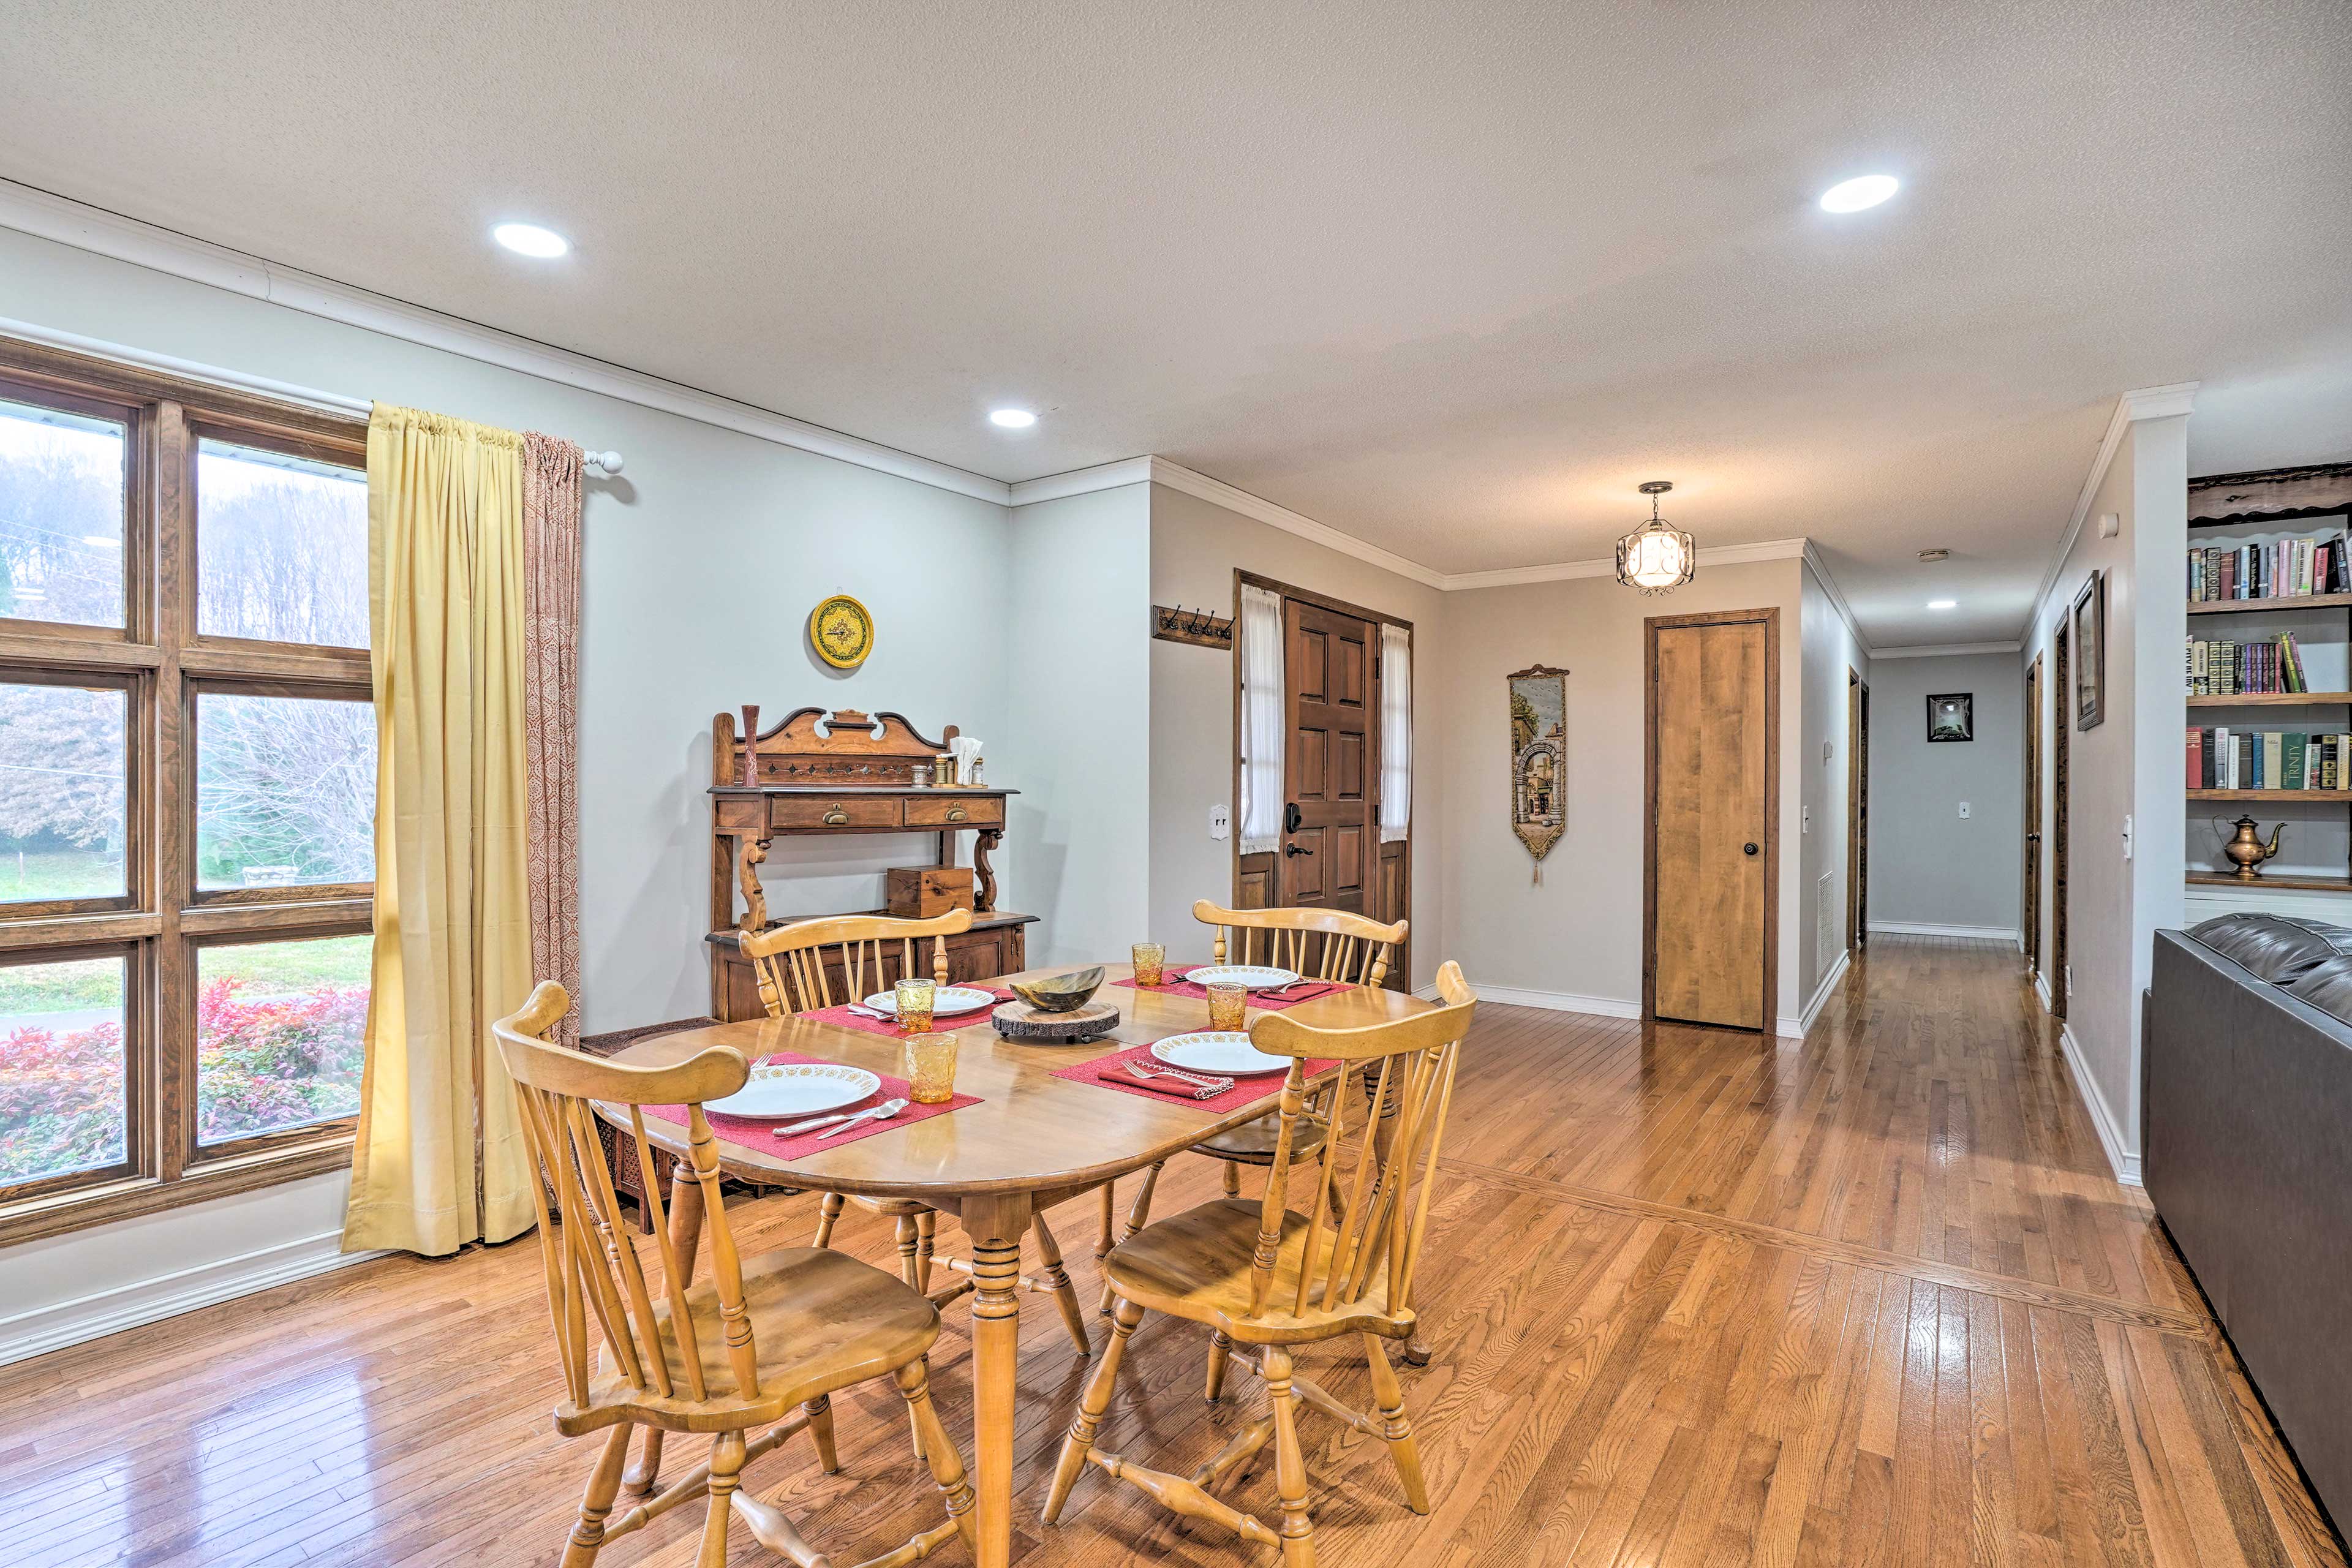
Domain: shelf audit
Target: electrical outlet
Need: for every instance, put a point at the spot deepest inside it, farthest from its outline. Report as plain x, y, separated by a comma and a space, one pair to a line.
1806, 824
1964, 810
1220, 826
2127, 837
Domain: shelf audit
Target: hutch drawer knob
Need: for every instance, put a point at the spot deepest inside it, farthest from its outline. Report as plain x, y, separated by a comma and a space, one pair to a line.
956, 813
834, 816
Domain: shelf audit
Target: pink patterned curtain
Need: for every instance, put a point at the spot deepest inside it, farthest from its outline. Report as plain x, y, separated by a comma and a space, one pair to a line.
550, 696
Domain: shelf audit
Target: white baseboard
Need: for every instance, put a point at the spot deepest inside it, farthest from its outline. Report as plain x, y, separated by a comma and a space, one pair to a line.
1821, 996
2009, 934
1550, 1001
103, 1312
2103, 1117
2042, 990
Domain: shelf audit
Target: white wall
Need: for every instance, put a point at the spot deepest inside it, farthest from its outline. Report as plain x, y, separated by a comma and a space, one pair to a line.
1196, 546
1929, 868
1576, 940
2126, 771
1829, 655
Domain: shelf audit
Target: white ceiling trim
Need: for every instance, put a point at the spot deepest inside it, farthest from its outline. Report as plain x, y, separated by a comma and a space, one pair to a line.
1821, 575
2142, 403
46, 216
1081, 481
1946, 651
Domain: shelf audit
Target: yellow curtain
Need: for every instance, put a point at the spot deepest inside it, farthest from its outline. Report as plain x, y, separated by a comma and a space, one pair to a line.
440, 1159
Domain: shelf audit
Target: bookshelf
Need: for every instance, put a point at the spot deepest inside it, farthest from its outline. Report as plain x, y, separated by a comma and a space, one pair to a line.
2287, 504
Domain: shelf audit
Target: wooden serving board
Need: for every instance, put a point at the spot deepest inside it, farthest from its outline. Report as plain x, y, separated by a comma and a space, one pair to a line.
1018, 1020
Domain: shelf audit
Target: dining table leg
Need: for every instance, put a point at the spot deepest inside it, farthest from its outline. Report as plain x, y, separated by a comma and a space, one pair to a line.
995, 1222
685, 1241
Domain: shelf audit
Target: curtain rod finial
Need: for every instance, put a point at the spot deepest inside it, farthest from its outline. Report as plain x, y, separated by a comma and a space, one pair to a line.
610, 462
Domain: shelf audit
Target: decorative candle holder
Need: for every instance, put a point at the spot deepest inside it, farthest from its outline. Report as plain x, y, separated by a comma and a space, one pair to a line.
1151, 958
915, 999
930, 1069
1227, 1001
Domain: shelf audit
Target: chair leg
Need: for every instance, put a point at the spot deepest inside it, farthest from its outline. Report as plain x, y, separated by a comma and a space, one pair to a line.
1221, 1350
1065, 1295
1109, 1238
1233, 1180
828, 1210
907, 1245
1138, 1217
820, 1414
1395, 1429
936, 1450
603, 1485
1125, 1316
726, 1466
1289, 1462
926, 1230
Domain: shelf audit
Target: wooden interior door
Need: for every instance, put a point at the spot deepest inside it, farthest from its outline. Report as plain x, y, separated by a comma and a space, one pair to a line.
1330, 840
2033, 815
2062, 693
1713, 852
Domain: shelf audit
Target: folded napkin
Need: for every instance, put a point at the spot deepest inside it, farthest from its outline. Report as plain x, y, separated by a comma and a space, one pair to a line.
1127, 1077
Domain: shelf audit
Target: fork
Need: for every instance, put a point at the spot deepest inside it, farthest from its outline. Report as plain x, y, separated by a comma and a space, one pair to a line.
1198, 1081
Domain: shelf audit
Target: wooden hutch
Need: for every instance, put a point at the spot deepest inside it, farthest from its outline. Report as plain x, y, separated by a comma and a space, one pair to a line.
839, 773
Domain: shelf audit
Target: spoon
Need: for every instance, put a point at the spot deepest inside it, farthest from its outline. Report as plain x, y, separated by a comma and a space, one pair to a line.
882, 1113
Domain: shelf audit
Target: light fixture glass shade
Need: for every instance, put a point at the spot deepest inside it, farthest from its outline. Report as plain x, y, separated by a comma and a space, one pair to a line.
1655, 558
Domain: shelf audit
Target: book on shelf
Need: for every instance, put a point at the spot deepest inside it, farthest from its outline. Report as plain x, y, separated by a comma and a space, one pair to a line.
2283, 569
2222, 667
2221, 757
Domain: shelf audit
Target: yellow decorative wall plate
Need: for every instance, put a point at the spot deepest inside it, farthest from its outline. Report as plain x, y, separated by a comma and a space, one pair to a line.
841, 632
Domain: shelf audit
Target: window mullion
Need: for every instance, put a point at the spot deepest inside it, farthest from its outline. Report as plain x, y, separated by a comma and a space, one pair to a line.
170, 1038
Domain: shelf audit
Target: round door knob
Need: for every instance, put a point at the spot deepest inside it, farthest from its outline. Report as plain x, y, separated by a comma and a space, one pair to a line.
1749, 848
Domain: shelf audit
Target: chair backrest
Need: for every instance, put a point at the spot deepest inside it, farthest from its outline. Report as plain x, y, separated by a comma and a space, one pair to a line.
588, 1255
1322, 944
1387, 1167
794, 963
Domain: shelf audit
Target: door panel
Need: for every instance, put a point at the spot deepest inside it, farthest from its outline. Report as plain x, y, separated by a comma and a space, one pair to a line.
1710, 758
1330, 845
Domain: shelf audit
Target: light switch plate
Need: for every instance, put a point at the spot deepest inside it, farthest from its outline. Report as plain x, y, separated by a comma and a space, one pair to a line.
1220, 826
1964, 810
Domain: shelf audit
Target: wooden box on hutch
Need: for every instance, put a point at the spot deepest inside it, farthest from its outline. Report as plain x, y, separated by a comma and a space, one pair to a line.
919, 892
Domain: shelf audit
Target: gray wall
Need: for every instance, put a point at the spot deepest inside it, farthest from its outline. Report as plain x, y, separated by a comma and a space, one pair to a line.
1926, 866
1829, 657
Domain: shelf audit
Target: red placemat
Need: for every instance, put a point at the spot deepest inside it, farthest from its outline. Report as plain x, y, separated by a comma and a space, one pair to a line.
1246, 1092
1307, 990
888, 1027
762, 1134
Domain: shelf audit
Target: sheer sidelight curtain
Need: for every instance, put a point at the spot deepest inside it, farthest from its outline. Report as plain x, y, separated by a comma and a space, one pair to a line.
1396, 733
439, 1158
1263, 740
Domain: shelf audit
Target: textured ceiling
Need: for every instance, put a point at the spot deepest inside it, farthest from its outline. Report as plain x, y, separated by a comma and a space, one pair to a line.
1451, 279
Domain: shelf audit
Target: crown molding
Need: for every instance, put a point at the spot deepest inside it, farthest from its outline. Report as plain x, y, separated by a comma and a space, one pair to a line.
1946, 651
36, 212
1177, 476
2141, 403
1080, 481
1836, 595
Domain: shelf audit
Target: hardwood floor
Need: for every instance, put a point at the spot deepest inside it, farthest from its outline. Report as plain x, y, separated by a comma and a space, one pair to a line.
1695, 1298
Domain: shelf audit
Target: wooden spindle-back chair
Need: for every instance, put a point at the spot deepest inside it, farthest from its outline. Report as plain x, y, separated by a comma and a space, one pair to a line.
796, 966
766, 1344
1262, 1275
1321, 944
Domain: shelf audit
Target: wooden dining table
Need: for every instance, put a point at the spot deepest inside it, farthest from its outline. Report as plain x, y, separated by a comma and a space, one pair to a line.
1032, 1141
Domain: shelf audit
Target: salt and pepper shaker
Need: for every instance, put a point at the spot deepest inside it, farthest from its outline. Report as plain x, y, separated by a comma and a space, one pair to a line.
943, 769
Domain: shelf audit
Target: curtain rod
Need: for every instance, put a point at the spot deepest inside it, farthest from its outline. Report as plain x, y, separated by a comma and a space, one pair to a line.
607, 463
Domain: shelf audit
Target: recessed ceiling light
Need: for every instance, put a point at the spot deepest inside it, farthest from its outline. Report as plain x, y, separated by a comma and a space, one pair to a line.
1943, 604
1011, 418
529, 239
1853, 195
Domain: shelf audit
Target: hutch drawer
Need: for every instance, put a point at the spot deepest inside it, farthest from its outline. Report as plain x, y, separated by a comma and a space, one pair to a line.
947, 811
847, 811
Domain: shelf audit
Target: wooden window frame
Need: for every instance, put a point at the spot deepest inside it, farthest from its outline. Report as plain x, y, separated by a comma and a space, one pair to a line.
160, 659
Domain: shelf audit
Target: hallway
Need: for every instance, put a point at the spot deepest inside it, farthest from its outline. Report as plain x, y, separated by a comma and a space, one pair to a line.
1869, 1299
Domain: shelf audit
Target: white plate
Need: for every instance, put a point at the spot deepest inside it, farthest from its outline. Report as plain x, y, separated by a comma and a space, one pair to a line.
1217, 1051
799, 1088
946, 1002
1256, 976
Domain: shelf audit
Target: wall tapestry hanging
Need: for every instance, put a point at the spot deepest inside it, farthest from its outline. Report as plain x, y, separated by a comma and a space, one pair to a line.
1539, 759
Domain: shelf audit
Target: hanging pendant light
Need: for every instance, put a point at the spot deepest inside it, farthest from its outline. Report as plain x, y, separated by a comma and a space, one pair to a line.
1655, 558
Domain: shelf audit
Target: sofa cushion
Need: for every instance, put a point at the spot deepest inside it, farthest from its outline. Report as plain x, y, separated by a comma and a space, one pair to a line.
2281, 949
2327, 986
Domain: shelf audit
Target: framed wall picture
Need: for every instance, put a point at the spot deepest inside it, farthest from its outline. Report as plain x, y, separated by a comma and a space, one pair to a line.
1951, 716
2091, 653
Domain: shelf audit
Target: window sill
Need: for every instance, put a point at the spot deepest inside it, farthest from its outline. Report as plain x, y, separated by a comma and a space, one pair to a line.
60, 1214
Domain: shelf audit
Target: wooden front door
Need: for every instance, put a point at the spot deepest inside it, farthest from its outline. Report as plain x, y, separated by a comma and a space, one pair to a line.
1331, 839
2034, 816
1712, 853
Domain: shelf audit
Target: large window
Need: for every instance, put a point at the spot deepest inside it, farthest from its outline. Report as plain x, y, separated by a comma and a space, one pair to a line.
187, 790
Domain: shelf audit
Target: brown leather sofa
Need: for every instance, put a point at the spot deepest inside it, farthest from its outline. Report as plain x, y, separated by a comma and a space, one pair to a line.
2247, 1154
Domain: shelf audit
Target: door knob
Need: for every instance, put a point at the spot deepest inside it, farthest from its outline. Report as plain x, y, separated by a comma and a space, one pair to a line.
1749, 848
1295, 850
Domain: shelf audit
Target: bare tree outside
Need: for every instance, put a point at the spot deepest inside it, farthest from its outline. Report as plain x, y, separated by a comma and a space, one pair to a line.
61, 502
281, 548
284, 790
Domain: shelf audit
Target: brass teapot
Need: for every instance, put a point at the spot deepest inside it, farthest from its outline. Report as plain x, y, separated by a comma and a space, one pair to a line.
2247, 851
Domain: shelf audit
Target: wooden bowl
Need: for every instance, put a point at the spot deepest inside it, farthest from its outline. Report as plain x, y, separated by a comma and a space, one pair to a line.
1060, 992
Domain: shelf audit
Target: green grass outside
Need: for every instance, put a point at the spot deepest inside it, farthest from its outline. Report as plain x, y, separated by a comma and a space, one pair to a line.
268, 969
59, 874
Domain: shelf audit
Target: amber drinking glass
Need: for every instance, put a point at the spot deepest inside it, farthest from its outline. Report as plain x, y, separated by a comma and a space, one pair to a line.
1149, 958
930, 1069
915, 998
1226, 1002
